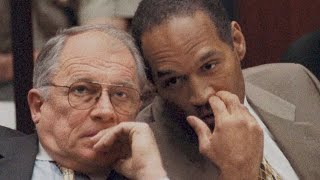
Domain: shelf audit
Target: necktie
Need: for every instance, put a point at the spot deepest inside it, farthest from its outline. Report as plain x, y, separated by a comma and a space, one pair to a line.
267, 172
68, 174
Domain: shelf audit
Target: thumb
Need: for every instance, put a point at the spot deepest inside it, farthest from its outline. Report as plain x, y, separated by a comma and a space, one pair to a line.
124, 167
202, 130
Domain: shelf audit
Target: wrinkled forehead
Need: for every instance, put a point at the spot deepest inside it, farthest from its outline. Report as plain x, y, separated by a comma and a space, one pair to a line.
96, 52
96, 45
92, 44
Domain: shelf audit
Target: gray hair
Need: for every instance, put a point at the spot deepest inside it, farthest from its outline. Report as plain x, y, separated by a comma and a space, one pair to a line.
47, 62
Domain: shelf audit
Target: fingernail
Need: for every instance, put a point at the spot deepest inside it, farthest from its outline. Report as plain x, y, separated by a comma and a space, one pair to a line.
189, 118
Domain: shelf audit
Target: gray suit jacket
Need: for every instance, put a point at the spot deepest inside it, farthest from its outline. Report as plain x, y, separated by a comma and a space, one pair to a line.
18, 153
287, 99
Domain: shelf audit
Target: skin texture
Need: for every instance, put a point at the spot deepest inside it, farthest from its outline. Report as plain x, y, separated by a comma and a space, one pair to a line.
188, 59
201, 75
67, 134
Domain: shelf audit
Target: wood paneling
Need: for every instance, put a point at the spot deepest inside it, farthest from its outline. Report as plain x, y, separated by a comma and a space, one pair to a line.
22, 47
271, 26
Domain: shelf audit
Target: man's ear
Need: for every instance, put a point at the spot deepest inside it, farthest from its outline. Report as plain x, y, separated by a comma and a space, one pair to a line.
239, 42
35, 102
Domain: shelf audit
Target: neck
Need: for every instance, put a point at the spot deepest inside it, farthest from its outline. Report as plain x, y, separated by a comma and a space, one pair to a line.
68, 162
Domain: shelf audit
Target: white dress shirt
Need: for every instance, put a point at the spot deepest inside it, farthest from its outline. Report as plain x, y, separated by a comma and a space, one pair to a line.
45, 168
272, 152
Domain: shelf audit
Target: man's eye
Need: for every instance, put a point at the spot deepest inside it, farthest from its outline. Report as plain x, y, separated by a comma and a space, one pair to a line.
80, 90
121, 95
173, 82
208, 66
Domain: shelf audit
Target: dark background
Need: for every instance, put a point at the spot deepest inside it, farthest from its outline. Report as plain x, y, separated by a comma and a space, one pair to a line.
271, 26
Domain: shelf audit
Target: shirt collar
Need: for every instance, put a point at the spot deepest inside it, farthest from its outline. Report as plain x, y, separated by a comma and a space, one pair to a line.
42, 154
258, 119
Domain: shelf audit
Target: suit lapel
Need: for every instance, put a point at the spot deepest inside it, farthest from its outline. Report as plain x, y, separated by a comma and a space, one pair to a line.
178, 144
17, 156
295, 137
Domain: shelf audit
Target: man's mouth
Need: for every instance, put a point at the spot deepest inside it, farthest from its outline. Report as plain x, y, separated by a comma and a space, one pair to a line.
91, 133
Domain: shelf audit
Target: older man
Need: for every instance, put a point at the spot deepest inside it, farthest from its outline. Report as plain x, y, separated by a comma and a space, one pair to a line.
266, 126
87, 83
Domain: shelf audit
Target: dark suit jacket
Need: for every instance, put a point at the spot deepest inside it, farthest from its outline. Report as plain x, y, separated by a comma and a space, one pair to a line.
287, 99
17, 155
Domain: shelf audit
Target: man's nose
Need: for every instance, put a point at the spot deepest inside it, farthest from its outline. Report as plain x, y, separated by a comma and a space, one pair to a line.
200, 91
103, 110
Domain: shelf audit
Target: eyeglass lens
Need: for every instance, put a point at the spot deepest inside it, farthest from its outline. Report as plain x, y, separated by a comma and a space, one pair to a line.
83, 95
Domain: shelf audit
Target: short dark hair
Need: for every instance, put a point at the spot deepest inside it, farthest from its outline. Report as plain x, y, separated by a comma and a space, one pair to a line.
151, 13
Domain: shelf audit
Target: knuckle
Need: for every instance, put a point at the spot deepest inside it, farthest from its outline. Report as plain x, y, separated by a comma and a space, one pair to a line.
203, 149
144, 125
257, 129
221, 93
244, 108
227, 95
233, 98
242, 122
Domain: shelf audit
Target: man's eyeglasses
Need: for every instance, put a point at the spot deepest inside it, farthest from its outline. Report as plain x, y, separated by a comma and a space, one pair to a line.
84, 95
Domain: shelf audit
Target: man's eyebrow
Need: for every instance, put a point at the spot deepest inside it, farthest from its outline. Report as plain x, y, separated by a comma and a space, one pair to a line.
125, 83
209, 54
163, 73
74, 79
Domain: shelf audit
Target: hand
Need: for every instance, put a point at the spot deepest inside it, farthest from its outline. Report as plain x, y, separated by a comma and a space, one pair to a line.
236, 143
143, 160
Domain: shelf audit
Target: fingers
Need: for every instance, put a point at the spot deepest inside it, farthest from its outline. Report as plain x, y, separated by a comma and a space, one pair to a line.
219, 109
230, 100
235, 107
217, 105
202, 130
123, 165
123, 133
107, 138
237, 138
225, 104
144, 159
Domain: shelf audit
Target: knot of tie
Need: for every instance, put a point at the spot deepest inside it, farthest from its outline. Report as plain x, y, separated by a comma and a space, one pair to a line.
267, 172
68, 174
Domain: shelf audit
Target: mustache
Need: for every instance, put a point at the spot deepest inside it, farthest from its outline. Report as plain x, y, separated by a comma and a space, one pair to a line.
203, 110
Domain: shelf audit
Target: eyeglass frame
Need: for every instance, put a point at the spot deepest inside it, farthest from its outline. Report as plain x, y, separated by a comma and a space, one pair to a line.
99, 94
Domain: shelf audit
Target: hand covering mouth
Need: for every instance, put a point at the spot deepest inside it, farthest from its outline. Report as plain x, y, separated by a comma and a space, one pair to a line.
209, 120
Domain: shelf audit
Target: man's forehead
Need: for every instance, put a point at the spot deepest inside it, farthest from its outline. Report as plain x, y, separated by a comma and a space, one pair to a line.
180, 30
199, 16
95, 52
92, 43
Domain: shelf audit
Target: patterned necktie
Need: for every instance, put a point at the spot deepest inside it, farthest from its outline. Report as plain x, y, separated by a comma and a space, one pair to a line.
68, 174
266, 171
